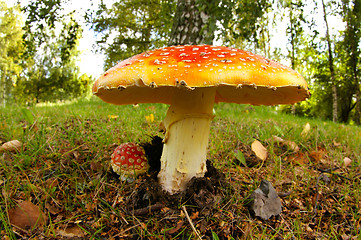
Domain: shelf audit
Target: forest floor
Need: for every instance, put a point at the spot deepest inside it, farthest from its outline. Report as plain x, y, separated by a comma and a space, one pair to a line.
59, 184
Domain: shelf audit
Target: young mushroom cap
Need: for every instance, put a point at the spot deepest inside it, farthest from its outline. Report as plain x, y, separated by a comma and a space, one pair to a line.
191, 79
128, 160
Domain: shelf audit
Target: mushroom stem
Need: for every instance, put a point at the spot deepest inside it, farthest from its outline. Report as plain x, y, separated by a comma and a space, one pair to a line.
187, 127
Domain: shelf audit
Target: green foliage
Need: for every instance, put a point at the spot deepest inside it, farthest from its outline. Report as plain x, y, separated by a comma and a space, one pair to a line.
242, 21
351, 46
11, 50
130, 27
41, 15
51, 55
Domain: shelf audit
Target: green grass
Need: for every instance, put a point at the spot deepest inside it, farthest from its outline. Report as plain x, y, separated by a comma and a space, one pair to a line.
64, 169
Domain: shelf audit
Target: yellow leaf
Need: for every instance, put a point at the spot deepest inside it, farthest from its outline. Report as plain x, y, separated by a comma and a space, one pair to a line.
113, 116
149, 118
260, 151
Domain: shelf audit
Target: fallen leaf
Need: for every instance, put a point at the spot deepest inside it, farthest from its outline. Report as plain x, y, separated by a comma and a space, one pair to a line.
11, 146
299, 158
318, 156
347, 161
27, 216
113, 116
240, 157
149, 118
52, 209
194, 215
306, 130
96, 166
74, 231
291, 145
176, 228
260, 151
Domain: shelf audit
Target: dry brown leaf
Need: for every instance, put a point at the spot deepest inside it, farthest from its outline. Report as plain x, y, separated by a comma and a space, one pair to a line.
96, 166
260, 151
11, 146
52, 209
317, 155
74, 231
291, 145
27, 216
299, 158
194, 215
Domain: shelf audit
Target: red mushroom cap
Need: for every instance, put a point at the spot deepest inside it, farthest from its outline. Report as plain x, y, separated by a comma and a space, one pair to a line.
239, 77
129, 160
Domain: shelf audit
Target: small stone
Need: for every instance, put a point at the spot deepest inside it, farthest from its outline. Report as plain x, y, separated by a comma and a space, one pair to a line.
265, 202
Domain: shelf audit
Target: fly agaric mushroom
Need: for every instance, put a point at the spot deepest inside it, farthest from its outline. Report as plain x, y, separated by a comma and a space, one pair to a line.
191, 79
128, 160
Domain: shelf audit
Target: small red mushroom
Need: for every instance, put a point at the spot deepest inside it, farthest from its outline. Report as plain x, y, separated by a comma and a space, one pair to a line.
128, 160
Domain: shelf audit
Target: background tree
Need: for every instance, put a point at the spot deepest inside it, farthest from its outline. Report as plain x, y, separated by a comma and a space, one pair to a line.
11, 50
351, 45
51, 39
130, 27
331, 65
194, 22
243, 23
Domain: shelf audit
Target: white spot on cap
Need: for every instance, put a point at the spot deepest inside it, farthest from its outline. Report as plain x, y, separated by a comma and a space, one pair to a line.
156, 61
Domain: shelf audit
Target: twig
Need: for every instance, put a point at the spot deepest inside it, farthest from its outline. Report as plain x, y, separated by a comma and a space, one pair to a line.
190, 222
317, 193
143, 211
330, 172
126, 230
284, 194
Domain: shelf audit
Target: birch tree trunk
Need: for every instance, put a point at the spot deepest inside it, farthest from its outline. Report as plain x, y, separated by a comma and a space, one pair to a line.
191, 25
331, 67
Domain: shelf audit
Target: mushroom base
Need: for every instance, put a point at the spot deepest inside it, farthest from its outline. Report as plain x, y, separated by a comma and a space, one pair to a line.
187, 127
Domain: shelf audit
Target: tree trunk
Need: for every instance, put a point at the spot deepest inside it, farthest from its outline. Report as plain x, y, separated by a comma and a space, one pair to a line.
357, 118
3, 91
351, 10
331, 67
190, 25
